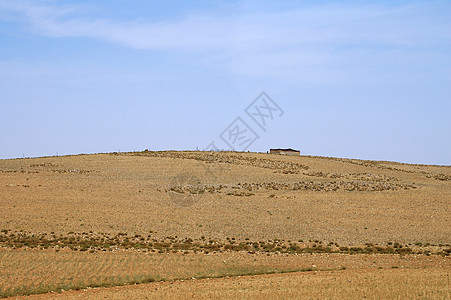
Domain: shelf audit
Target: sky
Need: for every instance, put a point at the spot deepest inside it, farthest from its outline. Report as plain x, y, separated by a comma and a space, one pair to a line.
354, 79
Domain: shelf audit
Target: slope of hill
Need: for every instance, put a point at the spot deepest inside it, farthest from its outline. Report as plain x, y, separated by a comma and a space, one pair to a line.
175, 205
235, 195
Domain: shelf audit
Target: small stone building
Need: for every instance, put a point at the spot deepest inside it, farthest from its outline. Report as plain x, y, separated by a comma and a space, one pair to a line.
288, 151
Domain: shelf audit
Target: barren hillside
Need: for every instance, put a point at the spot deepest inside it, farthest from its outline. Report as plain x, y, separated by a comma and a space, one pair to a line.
228, 195
106, 220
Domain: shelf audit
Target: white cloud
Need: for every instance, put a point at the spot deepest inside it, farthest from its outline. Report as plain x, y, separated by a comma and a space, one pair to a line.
322, 24
321, 38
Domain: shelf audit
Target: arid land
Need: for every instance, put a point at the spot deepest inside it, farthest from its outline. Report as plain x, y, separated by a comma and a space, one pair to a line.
106, 220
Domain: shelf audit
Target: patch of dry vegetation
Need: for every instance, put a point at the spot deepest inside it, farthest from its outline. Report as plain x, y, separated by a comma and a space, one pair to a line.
93, 242
442, 177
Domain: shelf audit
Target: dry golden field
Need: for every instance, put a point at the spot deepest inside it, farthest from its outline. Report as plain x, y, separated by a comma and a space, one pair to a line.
375, 284
110, 219
39, 271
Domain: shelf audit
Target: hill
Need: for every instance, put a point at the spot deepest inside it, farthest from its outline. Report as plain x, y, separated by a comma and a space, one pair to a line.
220, 195
213, 207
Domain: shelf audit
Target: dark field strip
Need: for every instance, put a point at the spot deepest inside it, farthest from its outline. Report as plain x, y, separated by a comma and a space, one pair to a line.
228, 158
93, 242
245, 189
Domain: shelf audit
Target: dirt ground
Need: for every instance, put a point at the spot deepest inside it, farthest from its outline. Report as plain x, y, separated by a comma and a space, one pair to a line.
132, 193
63, 212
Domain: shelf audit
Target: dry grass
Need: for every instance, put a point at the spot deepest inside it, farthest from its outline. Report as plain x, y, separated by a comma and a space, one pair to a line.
363, 284
259, 212
93, 242
40, 271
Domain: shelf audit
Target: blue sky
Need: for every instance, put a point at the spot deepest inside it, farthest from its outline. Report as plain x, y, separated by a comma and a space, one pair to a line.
356, 79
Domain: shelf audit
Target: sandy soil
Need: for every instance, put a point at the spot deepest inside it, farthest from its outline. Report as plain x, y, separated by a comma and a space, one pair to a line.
131, 193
